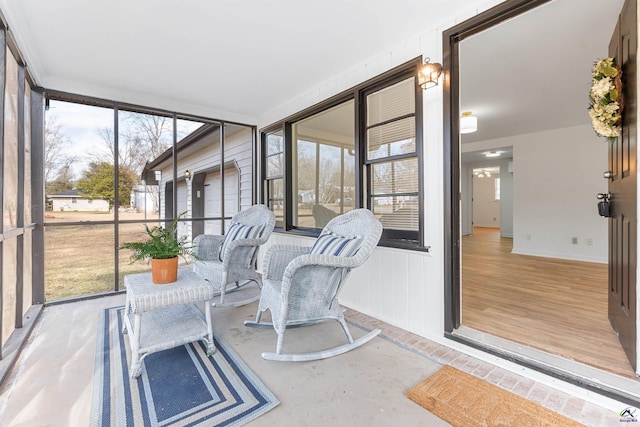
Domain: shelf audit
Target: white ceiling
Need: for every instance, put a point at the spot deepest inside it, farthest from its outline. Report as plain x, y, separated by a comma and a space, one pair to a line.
243, 58
239, 57
533, 72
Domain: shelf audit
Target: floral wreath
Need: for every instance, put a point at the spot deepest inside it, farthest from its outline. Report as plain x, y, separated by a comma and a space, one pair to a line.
606, 98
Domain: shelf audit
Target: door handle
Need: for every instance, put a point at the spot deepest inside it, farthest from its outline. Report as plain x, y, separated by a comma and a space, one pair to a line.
607, 175
604, 206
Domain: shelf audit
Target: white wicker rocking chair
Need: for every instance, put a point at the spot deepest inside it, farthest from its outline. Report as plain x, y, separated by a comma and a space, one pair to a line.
229, 261
301, 284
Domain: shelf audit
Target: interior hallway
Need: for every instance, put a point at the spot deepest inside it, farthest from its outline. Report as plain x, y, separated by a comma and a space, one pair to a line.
364, 387
558, 306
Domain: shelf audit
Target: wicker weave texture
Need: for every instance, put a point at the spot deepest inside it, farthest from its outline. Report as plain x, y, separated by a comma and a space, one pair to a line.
240, 255
143, 295
301, 287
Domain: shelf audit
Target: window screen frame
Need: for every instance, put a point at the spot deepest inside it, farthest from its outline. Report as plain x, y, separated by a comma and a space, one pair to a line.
404, 239
267, 179
393, 237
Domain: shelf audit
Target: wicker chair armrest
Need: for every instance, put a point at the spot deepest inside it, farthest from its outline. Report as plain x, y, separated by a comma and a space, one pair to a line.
207, 246
320, 260
228, 256
278, 257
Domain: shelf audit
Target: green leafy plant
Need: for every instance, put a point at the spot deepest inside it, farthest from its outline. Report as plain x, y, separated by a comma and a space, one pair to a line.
162, 244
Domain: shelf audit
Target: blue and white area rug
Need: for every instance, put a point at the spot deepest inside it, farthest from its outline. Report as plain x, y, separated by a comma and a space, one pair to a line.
177, 387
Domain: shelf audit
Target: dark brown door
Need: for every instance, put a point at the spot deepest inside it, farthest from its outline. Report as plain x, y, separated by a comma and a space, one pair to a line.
622, 188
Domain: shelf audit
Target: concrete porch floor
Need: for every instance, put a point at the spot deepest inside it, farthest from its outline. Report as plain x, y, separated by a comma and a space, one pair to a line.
51, 384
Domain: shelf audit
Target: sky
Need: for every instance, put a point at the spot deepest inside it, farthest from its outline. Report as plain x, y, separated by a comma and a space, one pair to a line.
81, 125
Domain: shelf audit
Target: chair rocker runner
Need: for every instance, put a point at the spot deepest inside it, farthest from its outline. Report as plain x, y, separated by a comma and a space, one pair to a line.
301, 284
229, 261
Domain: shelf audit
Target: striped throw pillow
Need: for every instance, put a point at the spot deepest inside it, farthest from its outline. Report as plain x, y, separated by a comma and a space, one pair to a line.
331, 244
239, 231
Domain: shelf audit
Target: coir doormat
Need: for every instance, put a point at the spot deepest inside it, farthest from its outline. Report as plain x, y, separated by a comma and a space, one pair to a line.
464, 400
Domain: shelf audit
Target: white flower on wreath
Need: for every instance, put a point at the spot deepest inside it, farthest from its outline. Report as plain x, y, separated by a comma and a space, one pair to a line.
601, 87
606, 98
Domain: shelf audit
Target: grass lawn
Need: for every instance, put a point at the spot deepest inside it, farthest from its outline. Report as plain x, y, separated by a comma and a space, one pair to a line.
79, 259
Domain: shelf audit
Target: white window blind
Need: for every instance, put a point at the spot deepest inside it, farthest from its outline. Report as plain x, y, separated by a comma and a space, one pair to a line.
391, 102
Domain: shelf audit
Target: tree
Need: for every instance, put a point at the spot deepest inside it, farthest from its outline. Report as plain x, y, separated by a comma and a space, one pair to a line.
98, 182
142, 137
58, 175
62, 182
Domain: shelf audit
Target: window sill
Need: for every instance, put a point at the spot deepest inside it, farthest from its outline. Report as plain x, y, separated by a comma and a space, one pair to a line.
386, 243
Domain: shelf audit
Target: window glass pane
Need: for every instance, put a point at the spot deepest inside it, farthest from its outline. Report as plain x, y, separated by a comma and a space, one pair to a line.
398, 213
275, 196
395, 188
306, 179
9, 276
393, 101
392, 139
27, 159
146, 163
274, 172
78, 163
10, 178
324, 164
400, 176
275, 143
79, 260
238, 170
275, 165
27, 266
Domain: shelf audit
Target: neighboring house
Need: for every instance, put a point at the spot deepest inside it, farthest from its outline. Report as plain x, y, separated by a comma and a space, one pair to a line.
145, 198
200, 193
306, 196
72, 201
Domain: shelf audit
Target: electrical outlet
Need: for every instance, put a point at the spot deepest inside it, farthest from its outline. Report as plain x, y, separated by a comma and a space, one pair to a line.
589, 241
528, 236
574, 240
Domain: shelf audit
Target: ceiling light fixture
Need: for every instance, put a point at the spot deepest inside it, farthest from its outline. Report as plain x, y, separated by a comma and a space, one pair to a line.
482, 173
493, 154
468, 123
429, 74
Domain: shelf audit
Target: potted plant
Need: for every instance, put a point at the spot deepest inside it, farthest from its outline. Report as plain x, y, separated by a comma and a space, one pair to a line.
163, 249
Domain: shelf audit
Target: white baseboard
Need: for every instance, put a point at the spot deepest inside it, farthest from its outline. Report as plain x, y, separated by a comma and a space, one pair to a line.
561, 255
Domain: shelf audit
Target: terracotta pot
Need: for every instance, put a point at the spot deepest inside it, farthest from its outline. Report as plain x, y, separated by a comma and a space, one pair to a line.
164, 271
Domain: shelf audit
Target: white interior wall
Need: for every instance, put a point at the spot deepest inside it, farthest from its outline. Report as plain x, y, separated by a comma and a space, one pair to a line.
486, 209
557, 175
506, 199
506, 196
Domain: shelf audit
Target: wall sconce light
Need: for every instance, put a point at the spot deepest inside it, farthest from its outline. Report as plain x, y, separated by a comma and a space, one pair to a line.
468, 123
187, 175
429, 74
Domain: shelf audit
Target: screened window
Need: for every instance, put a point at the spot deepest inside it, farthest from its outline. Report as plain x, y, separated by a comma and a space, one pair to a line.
360, 149
274, 174
324, 166
392, 159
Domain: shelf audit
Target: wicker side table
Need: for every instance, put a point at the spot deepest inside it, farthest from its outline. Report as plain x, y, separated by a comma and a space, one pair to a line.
159, 317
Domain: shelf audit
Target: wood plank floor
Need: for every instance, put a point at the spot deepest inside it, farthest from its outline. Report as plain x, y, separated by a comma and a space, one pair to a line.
554, 305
